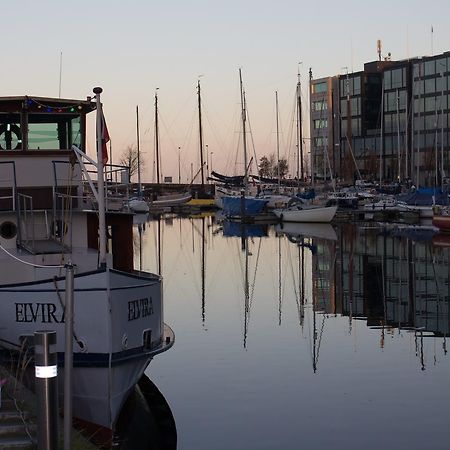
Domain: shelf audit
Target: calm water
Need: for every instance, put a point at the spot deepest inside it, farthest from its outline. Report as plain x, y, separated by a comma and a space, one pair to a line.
333, 340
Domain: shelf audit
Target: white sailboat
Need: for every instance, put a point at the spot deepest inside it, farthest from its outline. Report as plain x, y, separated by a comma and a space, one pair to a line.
301, 212
158, 201
46, 222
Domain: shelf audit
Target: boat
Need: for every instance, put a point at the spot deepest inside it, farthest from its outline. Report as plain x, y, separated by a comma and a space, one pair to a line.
301, 212
423, 201
157, 201
243, 206
441, 219
51, 226
138, 204
387, 202
276, 196
344, 198
169, 200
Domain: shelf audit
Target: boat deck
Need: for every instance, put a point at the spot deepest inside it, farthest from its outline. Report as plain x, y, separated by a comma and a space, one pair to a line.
44, 246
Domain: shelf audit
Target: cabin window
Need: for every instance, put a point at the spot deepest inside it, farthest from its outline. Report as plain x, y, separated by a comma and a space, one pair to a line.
10, 132
50, 132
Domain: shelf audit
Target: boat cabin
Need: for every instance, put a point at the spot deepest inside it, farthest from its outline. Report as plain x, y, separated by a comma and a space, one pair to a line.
35, 132
43, 187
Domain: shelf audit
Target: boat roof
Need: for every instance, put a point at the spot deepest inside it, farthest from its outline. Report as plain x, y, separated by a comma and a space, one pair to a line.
24, 101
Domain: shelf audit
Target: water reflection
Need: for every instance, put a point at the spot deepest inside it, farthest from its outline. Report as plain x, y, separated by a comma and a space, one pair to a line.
307, 319
393, 279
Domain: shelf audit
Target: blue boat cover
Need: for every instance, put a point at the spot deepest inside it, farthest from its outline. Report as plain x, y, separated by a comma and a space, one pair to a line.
424, 197
232, 206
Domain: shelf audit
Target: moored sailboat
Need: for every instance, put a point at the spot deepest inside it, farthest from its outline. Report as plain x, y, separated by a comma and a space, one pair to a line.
243, 205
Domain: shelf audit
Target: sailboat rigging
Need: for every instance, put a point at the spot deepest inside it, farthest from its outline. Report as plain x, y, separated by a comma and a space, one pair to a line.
159, 202
138, 204
200, 131
244, 205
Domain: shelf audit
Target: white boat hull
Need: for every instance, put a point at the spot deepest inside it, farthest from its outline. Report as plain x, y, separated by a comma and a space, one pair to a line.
118, 328
320, 214
169, 200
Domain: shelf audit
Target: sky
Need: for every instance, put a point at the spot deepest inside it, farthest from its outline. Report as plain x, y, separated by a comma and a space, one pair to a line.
135, 48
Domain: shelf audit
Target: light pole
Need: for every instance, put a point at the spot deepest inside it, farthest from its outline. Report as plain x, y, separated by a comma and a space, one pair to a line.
210, 162
179, 165
207, 165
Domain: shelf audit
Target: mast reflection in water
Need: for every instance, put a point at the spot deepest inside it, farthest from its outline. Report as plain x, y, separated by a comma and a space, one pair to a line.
302, 336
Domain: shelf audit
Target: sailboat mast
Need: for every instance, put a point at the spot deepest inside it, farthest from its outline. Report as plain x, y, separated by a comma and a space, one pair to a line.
157, 139
200, 130
138, 153
278, 142
300, 171
398, 138
244, 136
100, 180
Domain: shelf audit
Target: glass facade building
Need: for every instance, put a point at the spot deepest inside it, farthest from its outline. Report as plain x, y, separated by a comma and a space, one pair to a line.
389, 122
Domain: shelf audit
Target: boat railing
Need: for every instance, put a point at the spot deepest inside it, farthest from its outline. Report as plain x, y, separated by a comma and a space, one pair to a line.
26, 222
116, 183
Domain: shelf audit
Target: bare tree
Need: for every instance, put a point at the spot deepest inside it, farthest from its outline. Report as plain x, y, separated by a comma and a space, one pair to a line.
130, 159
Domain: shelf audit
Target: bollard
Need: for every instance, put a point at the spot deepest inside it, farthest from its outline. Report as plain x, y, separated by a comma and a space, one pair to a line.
46, 371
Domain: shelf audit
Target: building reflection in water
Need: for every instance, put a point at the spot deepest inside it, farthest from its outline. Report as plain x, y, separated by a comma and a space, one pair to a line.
393, 279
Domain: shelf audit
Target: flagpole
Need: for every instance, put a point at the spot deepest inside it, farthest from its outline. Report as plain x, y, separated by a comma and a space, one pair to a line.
100, 181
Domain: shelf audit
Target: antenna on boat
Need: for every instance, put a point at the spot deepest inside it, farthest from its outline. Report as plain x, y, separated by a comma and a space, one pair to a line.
60, 72
100, 182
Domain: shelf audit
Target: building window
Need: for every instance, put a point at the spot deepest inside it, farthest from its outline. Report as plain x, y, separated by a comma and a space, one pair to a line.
430, 122
355, 104
357, 86
320, 123
316, 88
441, 83
430, 67
441, 66
418, 105
356, 127
397, 81
344, 127
430, 86
321, 141
387, 79
388, 123
320, 105
430, 104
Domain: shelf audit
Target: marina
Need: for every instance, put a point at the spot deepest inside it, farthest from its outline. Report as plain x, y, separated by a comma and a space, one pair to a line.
224, 227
